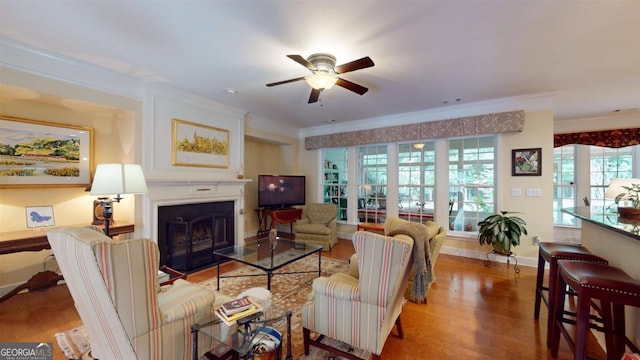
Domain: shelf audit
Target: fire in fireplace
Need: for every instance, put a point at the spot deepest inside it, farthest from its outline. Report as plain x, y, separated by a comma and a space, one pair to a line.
189, 233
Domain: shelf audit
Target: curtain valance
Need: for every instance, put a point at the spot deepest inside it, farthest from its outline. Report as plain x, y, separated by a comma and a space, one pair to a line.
511, 121
607, 138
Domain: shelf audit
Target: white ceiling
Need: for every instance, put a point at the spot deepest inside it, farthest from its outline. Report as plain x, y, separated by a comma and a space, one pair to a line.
585, 53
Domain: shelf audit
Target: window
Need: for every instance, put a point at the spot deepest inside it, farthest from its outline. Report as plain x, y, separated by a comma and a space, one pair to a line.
372, 183
471, 182
592, 175
334, 185
607, 164
416, 181
564, 184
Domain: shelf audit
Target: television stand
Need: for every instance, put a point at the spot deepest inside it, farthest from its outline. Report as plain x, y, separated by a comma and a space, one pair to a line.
277, 216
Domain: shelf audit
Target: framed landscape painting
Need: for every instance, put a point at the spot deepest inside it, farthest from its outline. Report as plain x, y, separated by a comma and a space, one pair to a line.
526, 162
36, 153
199, 145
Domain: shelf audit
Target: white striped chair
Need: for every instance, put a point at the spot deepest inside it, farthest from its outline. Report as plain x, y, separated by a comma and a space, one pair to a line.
361, 311
114, 285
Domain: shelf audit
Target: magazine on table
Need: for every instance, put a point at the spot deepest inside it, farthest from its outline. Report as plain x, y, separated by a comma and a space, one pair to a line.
254, 307
235, 306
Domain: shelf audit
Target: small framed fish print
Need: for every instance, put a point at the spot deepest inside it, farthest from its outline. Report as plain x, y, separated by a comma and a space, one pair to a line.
39, 216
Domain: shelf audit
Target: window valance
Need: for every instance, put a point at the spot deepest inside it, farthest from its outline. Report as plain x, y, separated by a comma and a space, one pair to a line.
608, 138
511, 121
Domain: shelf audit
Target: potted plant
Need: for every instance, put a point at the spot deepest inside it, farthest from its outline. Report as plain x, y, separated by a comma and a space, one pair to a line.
501, 231
632, 195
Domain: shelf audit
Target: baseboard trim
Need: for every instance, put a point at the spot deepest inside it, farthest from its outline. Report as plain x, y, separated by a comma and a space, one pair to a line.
482, 255
473, 254
7, 288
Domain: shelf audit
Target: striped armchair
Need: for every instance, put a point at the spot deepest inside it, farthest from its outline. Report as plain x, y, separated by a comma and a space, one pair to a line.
361, 311
114, 285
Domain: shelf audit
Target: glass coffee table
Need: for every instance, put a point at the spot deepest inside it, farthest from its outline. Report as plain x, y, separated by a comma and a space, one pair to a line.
268, 256
243, 338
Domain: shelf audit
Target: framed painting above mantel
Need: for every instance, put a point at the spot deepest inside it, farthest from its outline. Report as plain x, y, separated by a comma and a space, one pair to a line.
36, 153
199, 145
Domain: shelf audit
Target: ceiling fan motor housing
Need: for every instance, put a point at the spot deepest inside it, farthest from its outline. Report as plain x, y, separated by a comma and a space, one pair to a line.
323, 62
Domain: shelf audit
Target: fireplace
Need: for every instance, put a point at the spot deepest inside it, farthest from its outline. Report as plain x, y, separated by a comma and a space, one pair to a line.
189, 233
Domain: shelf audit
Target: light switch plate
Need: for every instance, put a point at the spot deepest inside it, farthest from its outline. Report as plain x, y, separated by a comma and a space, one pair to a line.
516, 191
534, 192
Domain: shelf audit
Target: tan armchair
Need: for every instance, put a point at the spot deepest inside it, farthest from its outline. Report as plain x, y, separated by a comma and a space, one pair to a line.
115, 288
361, 311
318, 225
433, 235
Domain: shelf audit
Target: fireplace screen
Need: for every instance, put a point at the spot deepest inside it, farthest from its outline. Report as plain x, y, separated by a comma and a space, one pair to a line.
191, 240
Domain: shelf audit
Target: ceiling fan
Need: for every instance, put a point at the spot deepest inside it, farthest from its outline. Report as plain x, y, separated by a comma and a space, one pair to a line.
325, 73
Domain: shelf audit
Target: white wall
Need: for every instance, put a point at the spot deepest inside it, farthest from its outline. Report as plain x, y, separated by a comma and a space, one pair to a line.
115, 122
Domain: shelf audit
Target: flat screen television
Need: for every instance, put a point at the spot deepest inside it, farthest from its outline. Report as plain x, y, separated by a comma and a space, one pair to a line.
281, 191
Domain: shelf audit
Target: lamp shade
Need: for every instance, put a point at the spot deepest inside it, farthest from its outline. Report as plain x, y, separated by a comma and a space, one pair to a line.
111, 179
321, 80
616, 187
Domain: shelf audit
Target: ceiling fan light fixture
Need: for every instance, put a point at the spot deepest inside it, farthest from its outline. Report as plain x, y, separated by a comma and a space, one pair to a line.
321, 80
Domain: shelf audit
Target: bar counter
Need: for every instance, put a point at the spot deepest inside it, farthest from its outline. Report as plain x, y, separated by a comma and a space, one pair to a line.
618, 241
606, 218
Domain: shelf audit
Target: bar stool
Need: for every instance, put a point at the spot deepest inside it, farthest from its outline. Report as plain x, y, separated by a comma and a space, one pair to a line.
612, 287
552, 252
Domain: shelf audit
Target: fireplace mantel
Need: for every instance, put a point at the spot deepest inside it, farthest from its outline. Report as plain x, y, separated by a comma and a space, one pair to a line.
164, 192
196, 182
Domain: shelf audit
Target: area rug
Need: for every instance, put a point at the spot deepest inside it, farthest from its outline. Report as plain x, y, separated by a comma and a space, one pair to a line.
289, 292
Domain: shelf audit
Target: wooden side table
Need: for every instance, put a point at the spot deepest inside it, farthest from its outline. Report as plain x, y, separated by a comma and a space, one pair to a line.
173, 275
372, 227
282, 216
36, 240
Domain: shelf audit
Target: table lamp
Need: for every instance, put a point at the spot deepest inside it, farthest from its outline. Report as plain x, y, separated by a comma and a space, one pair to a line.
616, 188
116, 179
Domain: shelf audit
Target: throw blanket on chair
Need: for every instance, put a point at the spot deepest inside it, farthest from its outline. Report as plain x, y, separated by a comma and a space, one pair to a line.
423, 269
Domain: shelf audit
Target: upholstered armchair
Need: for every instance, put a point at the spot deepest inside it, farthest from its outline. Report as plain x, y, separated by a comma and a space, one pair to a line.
318, 225
115, 288
361, 311
432, 236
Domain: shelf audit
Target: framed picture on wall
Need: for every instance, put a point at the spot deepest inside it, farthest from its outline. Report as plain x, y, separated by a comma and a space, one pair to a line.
526, 162
36, 153
38, 216
199, 145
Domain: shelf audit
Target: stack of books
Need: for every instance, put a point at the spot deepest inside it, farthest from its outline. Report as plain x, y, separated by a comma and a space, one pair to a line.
230, 312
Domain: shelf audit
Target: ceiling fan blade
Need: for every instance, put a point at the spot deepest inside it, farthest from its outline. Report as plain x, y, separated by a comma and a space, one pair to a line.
352, 86
302, 61
363, 63
315, 94
285, 81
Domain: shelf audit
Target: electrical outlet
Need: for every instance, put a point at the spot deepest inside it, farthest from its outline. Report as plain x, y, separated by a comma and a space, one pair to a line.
536, 239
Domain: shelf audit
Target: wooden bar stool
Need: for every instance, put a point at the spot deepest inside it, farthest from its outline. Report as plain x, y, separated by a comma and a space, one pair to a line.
551, 252
609, 285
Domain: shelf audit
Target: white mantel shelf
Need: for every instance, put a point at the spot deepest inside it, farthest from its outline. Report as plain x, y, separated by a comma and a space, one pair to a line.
197, 182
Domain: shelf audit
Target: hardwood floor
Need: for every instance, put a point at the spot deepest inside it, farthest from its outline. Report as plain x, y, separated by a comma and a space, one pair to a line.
473, 312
